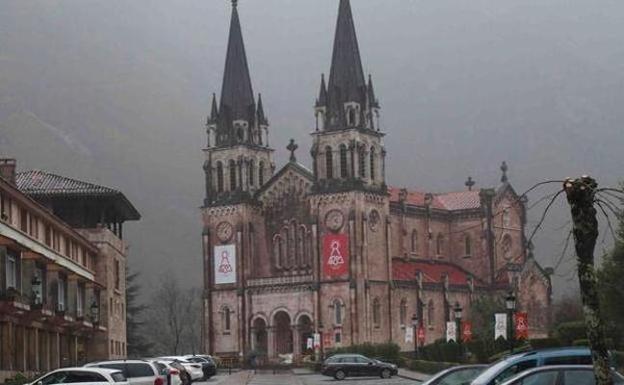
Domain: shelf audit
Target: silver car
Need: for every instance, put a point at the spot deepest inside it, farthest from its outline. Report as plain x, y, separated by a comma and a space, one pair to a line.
138, 372
561, 375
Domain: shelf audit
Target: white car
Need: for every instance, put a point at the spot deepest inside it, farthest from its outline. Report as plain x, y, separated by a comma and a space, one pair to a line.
166, 368
82, 376
194, 369
138, 372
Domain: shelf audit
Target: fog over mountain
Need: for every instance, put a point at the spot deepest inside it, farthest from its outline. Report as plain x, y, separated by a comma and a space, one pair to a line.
117, 92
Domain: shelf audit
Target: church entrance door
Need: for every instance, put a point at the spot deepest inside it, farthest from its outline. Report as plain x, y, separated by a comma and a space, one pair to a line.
259, 337
305, 331
283, 333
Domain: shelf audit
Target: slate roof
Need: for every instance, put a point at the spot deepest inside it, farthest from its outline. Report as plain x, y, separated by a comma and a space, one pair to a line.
42, 184
459, 200
432, 271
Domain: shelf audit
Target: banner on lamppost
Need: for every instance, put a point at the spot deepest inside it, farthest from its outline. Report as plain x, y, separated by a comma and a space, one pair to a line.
310, 343
335, 255
466, 331
500, 325
421, 335
225, 264
317, 340
409, 334
327, 340
451, 331
521, 320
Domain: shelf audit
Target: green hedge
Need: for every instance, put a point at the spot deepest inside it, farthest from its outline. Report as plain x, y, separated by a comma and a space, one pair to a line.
568, 332
428, 367
388, 352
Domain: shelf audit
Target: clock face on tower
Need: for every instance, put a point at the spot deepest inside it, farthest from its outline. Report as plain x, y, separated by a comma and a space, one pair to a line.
224, 231
334, 220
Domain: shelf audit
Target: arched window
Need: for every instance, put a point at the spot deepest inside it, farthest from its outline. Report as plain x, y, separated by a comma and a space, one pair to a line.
220, 177
226, 319
440, 245
240, 133
277, 250
372, 164
403, 312
362, 162
467, 245
232, 167
338, 312
343, 161
251, 173
261, 173
507, 245
430, 313
376, 312
506, 217
414, 241
301, 247
329, 163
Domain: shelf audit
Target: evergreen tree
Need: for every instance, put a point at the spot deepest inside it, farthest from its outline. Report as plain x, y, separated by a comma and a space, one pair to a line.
138, 345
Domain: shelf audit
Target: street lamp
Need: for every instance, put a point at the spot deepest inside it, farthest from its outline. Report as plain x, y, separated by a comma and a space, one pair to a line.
458, 317
36, 285
510, 304
415, 334
94, 313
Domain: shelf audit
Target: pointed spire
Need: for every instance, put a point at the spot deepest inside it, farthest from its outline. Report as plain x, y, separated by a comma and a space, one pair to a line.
346, 78
214, 110
372, 100
260, 112
237, 98
322, 99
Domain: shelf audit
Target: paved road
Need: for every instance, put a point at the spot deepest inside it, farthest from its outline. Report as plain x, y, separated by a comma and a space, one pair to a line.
317, 379
308, 379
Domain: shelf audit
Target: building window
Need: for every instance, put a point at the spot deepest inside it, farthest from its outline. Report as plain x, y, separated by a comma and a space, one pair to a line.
34, 227
232, 167
507, 243
343, 161
430, 314
362, 162
226, 321
117, 275
338, 312
219, 177
372, 164
24, 220
261, 173
338, 338
467, 245
440, 245
80, 300
506, 217
61, 293
48, 235
251, 173
414, 241
402, 312
376, 312
350, 116
12, 270
329, 163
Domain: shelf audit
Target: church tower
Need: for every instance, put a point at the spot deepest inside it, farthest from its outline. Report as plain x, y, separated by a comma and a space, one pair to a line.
238, 157
348, 150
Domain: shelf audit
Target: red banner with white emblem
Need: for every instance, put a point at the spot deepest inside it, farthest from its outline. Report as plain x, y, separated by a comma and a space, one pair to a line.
421, 335
335, 255
466, 331
521, 320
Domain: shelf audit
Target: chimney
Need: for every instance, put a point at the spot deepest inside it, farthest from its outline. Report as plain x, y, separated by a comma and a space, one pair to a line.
7, 169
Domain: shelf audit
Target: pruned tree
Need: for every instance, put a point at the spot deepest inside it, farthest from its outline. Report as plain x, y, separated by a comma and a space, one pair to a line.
138, 345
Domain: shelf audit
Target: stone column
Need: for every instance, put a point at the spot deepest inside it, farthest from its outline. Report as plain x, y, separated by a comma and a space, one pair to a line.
296, 342
270, 342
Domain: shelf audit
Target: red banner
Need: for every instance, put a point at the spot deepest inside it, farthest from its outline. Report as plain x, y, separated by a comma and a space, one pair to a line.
466, 331
521, 320
335, 255
421, 335
327, 340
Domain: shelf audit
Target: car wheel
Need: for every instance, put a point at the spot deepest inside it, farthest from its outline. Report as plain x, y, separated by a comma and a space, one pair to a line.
386, 373
340, 375
186, 379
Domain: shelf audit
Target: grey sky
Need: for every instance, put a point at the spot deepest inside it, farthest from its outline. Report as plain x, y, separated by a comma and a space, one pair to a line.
117, 92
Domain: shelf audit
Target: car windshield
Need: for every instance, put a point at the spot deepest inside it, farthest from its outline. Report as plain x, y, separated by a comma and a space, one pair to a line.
118, 377
493, 370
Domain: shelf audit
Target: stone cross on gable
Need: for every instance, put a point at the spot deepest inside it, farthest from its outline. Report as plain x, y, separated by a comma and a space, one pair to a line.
234, 3
470, 183
292, 147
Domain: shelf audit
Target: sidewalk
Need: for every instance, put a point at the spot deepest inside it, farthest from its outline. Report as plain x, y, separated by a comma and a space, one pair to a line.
412, 375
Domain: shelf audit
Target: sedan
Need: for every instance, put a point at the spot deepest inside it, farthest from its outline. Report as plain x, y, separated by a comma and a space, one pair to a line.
82, 376
457, 375
561, 375
342, 366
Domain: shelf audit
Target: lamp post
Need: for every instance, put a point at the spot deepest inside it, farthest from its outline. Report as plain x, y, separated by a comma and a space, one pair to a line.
510, 305
415, 334
458, 317
94, 312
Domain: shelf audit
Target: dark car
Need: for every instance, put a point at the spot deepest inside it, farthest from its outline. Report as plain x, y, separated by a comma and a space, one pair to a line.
561, 375
457, 375
341, 366
209, 367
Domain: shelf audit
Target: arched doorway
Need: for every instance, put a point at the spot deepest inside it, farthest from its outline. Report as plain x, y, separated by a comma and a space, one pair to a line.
283, 333
259, 337
304, 327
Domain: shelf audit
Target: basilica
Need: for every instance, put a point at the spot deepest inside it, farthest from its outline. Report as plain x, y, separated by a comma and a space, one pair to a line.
298, 259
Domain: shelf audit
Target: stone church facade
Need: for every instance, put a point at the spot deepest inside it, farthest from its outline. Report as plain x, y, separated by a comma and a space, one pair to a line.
335, 250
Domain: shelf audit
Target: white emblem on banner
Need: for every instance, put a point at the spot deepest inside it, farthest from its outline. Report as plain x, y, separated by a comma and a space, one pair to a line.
409, 334
500, 326
451, 331
317, 340
335, 258
225, 264
310, 343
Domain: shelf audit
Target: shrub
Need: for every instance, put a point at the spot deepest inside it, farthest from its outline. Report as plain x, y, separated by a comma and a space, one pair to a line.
389, 351
19, 379
618, 359
568, 332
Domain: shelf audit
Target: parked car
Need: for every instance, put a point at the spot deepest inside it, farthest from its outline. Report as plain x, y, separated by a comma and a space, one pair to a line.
174, 373
457, 375
511, 365
209, 367
342, 366
82, 376
138, 372
192, 368
561, 375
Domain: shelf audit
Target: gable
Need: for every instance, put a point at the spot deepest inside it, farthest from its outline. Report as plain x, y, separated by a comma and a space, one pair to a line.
292, 181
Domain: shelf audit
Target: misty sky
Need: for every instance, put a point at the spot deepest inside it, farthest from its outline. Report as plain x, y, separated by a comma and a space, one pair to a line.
117, 92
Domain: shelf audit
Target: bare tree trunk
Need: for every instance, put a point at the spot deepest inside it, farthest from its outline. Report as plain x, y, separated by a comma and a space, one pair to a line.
580, 193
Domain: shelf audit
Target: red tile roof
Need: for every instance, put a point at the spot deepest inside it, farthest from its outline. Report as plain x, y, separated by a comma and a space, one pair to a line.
432, 271
459, 200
